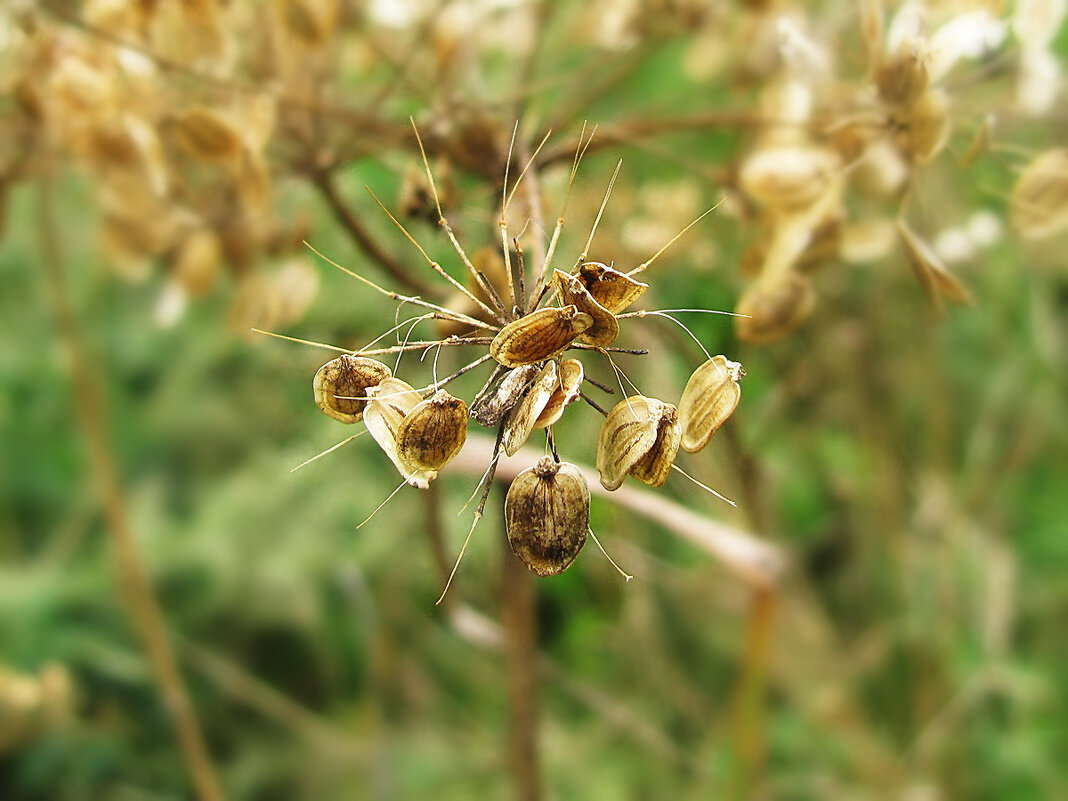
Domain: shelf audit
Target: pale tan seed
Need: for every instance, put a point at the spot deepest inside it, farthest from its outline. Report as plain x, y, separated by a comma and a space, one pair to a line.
340, 385
775, 307
929, 126
614, 290
196, 262
570, 374
521, 418
547, 515
539, 335
1038, 205
710, 397
489, 409
655, 466
208, 135
934, 276
392, 401
605, 329
433, 432
629, 432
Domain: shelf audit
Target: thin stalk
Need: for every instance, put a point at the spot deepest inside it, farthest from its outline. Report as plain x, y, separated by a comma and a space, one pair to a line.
749, 700
136, 589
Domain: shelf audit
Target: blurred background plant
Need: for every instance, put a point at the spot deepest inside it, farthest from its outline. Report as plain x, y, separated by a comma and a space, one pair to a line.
902, 442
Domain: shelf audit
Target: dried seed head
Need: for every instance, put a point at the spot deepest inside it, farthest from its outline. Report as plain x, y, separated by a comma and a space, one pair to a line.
489, 408
1038, 206
570, 373
605, 329
903, 78
391, 402
612, 289
639, 437
547, 514
341, 383
775, 307
433, 432
710, 397
539, 335
523, 415
208, 135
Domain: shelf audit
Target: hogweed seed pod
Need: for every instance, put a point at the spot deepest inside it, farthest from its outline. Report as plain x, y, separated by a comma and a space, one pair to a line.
604, 329
640, 437
390, 403
341, 384
433, 432
710, 397
570, 373
614, 290
774, 307
489, 408
523, 415
1038, 205
547, 515
208, 135
539, 335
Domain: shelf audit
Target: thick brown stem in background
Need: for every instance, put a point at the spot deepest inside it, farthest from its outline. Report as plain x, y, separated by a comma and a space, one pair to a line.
521, 662
137, 594
749, 701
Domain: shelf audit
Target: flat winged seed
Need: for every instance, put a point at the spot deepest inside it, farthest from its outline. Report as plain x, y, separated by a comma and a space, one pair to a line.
605, 329
341, 384
208, 135
391, 401
1038, 205
547, 514
710, 397
775, 307
609, 287
489, 408
570, 373
655, 467
628, 433
522, 417
433, 432
539, 335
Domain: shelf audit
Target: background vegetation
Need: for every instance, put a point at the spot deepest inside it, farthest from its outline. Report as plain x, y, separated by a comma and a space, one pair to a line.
909, 462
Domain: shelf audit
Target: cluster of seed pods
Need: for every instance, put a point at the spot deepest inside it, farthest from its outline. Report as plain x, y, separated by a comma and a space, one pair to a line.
547, 506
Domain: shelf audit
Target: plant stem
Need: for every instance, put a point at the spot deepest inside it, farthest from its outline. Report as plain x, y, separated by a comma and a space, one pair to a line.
521, 660
137, 594
748, 735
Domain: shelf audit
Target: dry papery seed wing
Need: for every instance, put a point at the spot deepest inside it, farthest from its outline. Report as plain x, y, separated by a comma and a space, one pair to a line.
773, 307
392, 401
570, 373
341, 385
639, 437
539, 335
609, 287
605, 329
1038, 205
490, 406
547, 514
710, 397
433, 432
523, 415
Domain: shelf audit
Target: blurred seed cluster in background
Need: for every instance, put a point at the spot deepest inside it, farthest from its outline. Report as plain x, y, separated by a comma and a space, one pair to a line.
184, 614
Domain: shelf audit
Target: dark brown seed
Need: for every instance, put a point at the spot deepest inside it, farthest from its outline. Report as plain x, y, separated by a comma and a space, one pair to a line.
341, 384
609, 287
433, 432
547, 514
539, 335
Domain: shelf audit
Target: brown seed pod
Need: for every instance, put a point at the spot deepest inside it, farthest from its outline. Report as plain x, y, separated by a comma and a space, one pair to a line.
208, 135
929, 126
614, 290
523, 415
775, 307
196, 262
391, 402
547, 514
489, 408
605, 329
902, 79
570, 375
433, 432
710, 397
1038, 205
639, 437
935, 278
341, 383
539, 335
